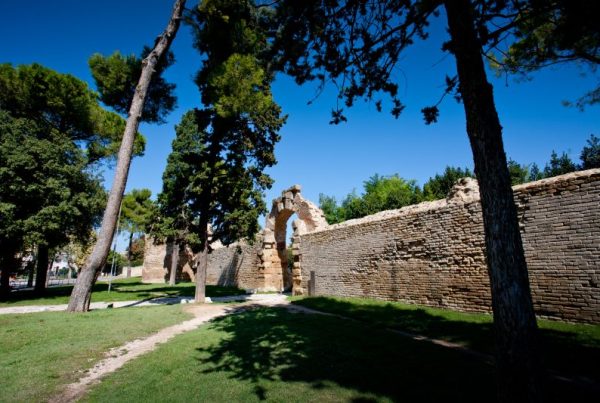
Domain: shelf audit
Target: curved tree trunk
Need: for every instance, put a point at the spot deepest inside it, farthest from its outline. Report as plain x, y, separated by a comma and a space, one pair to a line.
41, 273
129, 255
8, 265
174, 263
202, 266
82, 292
514, 318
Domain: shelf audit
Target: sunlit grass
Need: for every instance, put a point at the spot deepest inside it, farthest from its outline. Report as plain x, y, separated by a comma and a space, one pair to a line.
131, 289
275, 355
39, 352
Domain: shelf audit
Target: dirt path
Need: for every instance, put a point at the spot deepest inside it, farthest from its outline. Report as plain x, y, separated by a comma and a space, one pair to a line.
119, 356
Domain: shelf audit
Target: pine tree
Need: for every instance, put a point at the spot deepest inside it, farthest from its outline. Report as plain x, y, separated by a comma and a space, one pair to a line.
82, 292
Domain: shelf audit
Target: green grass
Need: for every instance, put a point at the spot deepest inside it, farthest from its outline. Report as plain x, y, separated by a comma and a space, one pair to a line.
274, 355
39, 352
131, 289
570, 349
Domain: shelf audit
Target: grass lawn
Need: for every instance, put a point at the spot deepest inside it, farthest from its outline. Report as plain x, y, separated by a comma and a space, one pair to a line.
39, 352
274, 355
569, 349
131, 289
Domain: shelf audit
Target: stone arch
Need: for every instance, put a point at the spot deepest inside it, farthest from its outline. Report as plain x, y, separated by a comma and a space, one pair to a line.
273, 255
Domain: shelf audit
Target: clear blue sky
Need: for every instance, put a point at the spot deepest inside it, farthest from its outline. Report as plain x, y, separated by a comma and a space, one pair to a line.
62, 34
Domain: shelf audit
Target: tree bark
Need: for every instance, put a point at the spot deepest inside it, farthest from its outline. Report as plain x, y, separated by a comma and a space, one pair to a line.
514, 319
129, 255
81, 295
41, 274
174, 263
30, 275
202, 266
8, 265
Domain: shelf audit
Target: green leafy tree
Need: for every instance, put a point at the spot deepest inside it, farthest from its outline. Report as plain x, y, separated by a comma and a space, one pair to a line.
49, 107
380, 193
388, 193
136, 213
46, 194
62, 103
334, 214
82, 291
137, 251
439, 186
357, 45
590, 154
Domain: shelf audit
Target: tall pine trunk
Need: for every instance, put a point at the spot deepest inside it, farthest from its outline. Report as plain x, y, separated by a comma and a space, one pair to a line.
174, 263
202, 266
41, 273
514, 318
8, 265
129, 255
30, 274
82, 292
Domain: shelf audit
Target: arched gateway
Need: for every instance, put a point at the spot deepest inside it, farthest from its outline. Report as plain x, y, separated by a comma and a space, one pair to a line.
274, 255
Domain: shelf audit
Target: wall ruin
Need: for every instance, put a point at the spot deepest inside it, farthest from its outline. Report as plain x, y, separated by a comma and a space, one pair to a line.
429, 254
433, 253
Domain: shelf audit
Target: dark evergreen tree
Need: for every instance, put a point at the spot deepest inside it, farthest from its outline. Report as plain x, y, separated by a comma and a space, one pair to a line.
236, 130
518, 173
559, 165
590, 154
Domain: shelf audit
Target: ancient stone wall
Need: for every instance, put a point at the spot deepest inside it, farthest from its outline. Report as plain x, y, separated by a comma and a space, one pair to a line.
235, 265
433, 253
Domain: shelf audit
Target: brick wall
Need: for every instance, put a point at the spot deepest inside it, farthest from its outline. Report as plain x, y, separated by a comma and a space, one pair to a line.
433, 253
234, 265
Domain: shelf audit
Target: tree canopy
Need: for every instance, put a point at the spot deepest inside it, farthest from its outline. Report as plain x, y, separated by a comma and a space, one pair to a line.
46, 193
63, 103
117, 75
136, 210
546, 33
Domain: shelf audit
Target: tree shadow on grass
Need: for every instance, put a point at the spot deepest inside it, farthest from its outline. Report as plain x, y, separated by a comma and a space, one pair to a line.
274, 345
266, 346
566, 353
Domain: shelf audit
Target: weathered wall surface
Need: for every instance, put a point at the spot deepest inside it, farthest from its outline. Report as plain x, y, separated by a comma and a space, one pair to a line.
235, 265
433, 253
155, 266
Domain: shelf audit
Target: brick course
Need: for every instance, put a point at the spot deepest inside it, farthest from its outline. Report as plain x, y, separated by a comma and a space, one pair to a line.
433, 254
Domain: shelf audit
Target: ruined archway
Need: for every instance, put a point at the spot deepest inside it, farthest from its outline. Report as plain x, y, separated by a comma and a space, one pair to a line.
274, 260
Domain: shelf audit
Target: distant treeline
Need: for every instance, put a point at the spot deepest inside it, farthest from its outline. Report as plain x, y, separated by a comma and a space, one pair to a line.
392, 192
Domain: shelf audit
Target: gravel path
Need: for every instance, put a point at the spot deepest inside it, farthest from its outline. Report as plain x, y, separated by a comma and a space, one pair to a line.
126, 304
119, 356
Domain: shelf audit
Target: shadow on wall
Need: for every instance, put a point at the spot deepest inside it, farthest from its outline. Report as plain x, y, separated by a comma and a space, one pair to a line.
229, 275
346, 359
